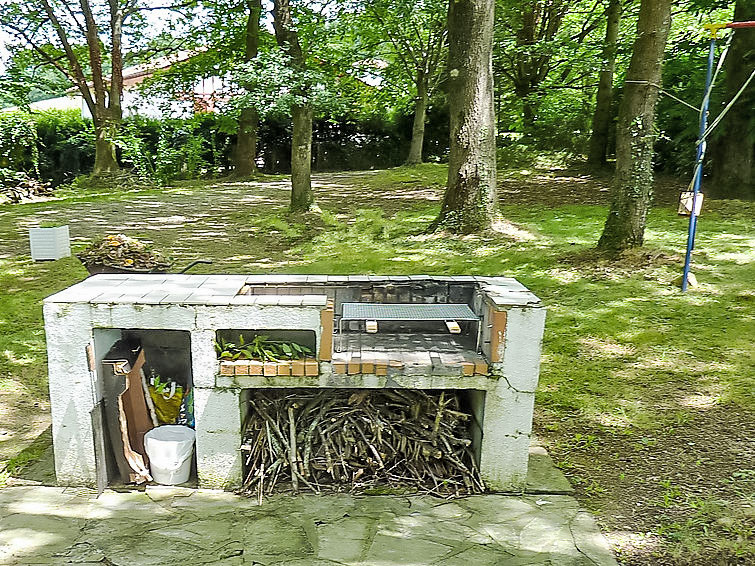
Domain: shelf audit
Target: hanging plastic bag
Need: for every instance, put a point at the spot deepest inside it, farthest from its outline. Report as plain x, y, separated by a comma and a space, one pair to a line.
186, 412
166, 397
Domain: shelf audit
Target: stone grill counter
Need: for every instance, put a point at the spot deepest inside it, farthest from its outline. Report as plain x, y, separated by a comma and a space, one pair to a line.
495, 360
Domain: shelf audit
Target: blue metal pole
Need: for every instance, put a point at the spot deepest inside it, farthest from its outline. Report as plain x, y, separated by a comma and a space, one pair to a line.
698, 171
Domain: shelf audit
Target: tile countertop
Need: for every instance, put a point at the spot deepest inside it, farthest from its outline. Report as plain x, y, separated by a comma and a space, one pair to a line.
160, 289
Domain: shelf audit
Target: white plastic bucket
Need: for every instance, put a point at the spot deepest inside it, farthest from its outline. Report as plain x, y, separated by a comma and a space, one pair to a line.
169, 448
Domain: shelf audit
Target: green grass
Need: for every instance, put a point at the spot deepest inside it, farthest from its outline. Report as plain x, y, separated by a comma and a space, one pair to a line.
626, 355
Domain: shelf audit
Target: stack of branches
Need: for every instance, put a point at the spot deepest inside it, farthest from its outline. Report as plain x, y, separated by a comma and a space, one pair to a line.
18, 187
358, 440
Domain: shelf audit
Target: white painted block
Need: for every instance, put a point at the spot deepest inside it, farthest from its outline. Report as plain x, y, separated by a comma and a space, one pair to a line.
159, 317
522, 346
218, 425
72, 392
505, 468
204, 358
255, 317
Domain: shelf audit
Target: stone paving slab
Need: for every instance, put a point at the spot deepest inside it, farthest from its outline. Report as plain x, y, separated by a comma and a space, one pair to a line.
166, 526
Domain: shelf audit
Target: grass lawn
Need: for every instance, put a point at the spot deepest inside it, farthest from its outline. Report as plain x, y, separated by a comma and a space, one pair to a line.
646, 396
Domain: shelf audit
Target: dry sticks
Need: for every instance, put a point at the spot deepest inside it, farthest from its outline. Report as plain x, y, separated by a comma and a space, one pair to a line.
358, 440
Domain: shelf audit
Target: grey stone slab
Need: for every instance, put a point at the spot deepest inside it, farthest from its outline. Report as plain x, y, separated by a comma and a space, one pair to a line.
107, 277
256, 279
77, 294
125, 298
175, 297
203, 298
290, 300
318, 279
314, 300
153, 297
245, 299
542, 474
140, 283
345, 541
514, 298
391, 547
165, 525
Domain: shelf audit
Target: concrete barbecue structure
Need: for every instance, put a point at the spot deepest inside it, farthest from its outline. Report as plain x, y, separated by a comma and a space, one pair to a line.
494, 359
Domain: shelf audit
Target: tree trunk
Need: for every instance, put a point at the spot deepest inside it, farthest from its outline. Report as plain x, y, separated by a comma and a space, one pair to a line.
301, 159
632, 191
418, 129
287, 38
529, 113
105, 161
601, 120
245, 152
470, 199
734, 147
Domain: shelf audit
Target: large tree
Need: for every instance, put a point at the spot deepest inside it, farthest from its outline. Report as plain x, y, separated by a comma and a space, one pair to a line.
287, 37
416, 36
245, 152
632, 190
470, 198
601, 121
83, 39
734, 148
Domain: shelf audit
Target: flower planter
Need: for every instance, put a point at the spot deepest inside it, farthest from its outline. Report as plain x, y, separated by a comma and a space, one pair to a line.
49, 243
95, 268
307, 367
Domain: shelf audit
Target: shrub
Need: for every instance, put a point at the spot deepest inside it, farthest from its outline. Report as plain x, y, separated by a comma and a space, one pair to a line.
66, 145
18, 142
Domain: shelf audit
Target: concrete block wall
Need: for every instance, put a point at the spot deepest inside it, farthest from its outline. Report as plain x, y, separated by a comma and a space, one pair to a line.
94, 312
501, 402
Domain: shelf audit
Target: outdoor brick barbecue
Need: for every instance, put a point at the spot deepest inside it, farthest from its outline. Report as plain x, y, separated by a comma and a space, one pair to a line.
481, 335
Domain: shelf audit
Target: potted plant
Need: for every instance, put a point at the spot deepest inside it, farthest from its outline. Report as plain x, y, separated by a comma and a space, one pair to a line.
49, 242
122, 254
263, 356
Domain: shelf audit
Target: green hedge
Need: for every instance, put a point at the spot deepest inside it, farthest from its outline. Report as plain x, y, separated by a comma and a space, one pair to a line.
58, 145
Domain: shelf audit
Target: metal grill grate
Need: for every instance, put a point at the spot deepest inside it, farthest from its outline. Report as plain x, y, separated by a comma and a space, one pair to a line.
376, 311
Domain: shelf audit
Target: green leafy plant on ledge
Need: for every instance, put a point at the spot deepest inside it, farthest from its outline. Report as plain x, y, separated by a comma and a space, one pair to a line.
261, 348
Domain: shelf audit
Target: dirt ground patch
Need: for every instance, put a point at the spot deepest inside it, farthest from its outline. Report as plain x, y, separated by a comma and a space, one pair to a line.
645, 484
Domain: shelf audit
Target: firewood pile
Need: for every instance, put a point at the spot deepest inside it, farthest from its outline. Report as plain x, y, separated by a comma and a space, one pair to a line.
358, 440
16, 187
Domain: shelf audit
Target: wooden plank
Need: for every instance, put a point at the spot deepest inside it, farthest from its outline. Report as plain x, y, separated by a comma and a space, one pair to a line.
355, 364
497, 334
480, 367
269, 369
297, 367
311, 367
453, 327
326, 337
